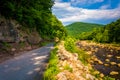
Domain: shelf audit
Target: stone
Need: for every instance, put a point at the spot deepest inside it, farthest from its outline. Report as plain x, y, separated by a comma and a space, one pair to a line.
100, 62
111, 50
96, 72
61, 76
113, 63
64, 63
109, 56
118, 57
106, 64
29, 48
101, 75
89, 77
13, 49
118, 64
107, 60
79, 70
114, 73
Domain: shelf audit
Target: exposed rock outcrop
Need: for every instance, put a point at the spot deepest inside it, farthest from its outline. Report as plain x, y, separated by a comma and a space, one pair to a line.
71, 68
12, 31
8, 30
15, 38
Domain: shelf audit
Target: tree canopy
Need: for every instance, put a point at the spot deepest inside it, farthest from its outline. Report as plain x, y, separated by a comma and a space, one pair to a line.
34, 14
107, 34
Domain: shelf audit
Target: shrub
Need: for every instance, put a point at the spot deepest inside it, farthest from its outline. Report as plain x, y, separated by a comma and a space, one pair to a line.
70, 44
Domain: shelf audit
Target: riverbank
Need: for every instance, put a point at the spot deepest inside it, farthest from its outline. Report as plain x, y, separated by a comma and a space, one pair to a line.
104, 57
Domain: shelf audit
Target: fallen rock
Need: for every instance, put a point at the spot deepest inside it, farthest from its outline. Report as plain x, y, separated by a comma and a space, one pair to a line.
109, 56
61, 76
90, 77
113, 63
114, 73
101, 75
118, 64
106, 64
107, 60
13, 49
118, 57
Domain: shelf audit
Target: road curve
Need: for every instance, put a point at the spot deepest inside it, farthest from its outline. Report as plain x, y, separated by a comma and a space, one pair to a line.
28, 66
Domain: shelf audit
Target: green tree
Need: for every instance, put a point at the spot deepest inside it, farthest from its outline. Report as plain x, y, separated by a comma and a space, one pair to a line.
34, 14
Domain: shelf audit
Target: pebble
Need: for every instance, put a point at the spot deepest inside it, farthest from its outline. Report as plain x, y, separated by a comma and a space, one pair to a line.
101, 75
109, 56
106, 64
118, 57
113, 63
107, 60
118, 64
114, 73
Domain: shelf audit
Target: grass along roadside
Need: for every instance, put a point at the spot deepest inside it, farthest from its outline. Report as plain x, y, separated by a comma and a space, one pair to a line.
52, 68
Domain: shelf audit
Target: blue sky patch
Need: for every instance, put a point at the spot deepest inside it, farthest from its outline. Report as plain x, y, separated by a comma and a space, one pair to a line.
93, 11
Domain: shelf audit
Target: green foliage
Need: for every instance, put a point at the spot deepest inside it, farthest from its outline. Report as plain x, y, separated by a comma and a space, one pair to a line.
22, 44
52, 68
6, 45
108, 78
34, 14
85, 36
44, 43
55, 29
78, 27
70, 44
107, 34
83, 56
67, 67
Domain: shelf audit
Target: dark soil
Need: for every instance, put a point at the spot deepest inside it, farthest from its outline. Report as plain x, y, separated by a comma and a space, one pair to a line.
102, 54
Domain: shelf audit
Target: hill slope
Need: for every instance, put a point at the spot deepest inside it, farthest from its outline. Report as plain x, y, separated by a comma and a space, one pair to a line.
76, 28
110, 33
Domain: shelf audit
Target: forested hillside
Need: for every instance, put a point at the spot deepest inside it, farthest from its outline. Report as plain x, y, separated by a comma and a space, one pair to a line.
34, 14
108, 34
77, 28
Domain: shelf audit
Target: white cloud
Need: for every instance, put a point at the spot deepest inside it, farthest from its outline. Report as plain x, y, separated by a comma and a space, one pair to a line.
66, 13
105, 6
81, 2
61, 5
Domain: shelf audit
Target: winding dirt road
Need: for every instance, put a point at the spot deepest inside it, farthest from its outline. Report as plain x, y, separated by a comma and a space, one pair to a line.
28, 66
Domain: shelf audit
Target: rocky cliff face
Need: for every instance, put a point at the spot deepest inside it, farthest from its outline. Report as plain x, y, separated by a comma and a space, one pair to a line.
12, 31
15, 38
8, 30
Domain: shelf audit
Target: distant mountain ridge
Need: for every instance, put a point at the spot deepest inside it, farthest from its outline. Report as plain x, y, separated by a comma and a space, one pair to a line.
77, 28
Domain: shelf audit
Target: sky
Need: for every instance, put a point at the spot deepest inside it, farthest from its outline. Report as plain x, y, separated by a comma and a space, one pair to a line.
90, 11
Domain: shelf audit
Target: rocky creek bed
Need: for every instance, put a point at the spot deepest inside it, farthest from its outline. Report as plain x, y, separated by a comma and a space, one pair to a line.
105, 59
